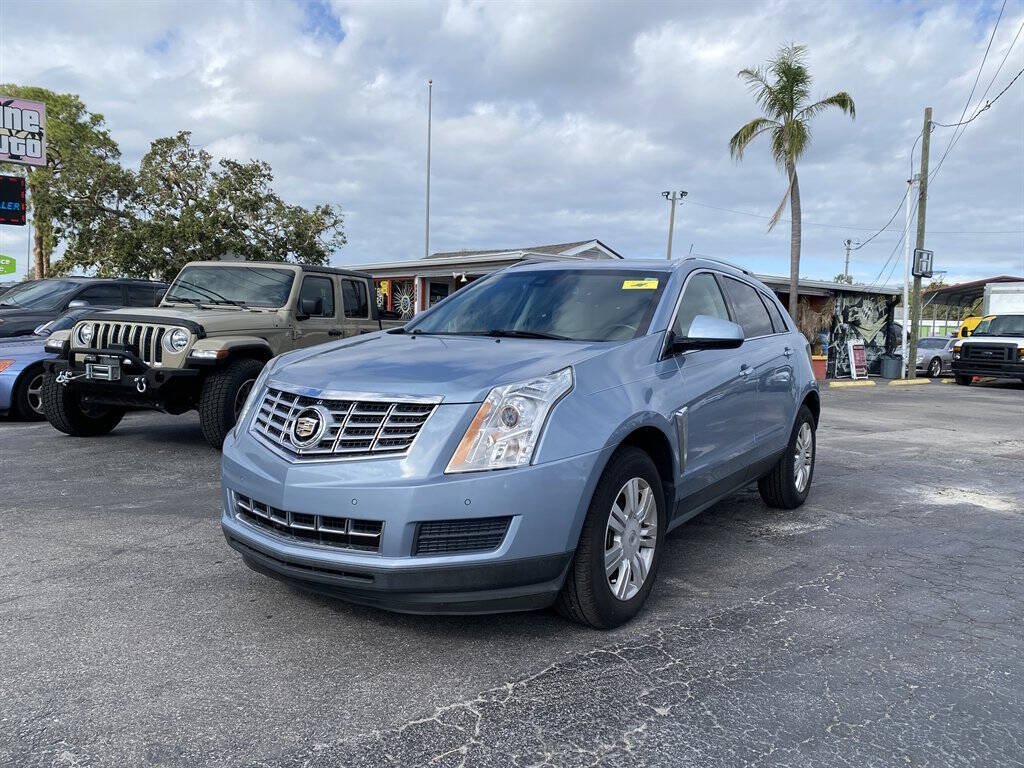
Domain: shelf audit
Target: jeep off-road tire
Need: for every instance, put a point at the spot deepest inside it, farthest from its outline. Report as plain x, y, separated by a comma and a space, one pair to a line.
788, 482
587, 596
63, 408
223, 394
27, 398
964, 381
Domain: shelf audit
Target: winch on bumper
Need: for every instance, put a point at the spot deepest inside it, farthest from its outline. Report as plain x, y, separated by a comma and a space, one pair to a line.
113, 376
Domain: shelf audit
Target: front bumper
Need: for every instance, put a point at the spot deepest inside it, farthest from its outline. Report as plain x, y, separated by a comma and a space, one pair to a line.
546, 504
997, 370
140, 385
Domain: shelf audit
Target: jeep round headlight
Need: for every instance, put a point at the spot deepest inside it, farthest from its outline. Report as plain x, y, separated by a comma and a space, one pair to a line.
176, 340
83, 335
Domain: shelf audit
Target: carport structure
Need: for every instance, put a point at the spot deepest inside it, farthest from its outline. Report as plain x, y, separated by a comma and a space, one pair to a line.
960, 299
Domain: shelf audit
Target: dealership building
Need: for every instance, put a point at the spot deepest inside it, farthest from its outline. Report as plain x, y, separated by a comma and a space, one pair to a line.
858, 311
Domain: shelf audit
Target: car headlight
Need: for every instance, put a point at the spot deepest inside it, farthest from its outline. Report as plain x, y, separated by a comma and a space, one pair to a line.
254, 395
956, 351
176, 340
83, 335
506, 428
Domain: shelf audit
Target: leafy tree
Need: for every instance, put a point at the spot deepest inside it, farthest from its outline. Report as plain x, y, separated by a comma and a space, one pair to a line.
81, 175
181, 206
842, 277
782, 91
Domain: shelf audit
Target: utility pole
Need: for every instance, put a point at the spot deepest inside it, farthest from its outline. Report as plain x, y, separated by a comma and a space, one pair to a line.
905, 341
430, 108
922, 199
672, 197
846, 267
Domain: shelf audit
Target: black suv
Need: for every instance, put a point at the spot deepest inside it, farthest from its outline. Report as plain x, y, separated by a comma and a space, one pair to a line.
30, 304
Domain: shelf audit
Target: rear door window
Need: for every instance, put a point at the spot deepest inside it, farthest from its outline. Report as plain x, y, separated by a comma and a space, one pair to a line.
354, 298
750, 310
142, 295
701, 297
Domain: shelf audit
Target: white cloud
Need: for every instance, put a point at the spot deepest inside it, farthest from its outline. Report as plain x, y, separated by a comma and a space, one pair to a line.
558, 121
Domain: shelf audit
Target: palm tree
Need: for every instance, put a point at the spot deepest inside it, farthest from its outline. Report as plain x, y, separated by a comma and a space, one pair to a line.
782, 89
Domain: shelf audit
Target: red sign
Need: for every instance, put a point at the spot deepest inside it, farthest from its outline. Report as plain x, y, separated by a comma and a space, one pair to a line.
12, 200
858, 359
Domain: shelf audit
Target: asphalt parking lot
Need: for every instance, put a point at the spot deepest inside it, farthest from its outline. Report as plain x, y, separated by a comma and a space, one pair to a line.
880, 624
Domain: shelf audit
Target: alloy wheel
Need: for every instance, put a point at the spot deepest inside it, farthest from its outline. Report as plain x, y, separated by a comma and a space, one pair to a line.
803, 457
35, 393
630, 538
935, 368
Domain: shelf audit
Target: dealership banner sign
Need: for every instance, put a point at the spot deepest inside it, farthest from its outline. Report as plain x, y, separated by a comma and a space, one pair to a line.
12, 200
8, 266
22, 131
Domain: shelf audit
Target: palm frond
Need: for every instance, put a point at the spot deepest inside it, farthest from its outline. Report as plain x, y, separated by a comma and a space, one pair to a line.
778, 211
765, 94
792, 78
742, 138
841, 101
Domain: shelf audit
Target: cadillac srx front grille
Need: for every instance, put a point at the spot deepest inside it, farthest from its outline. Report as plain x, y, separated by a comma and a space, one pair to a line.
327, 530
306, 428
437, 537
142, 339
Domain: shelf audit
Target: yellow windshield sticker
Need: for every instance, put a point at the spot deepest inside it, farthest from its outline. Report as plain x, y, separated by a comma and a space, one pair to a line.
647, 284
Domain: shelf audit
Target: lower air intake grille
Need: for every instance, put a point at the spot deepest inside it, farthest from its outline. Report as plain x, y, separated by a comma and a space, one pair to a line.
446, 536
340, 532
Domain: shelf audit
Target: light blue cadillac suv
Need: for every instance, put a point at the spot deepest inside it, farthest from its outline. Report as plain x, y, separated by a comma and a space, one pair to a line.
528, 441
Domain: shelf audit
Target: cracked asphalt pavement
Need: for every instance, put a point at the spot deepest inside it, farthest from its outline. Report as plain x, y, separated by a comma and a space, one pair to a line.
881, 624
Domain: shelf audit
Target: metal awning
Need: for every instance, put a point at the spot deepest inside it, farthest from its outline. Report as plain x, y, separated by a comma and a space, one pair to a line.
963, 294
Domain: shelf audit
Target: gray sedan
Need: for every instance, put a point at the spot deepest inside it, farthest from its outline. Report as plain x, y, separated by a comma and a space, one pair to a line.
934, 355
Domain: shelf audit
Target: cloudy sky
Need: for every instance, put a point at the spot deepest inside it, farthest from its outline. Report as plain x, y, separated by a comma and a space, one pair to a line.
561, 121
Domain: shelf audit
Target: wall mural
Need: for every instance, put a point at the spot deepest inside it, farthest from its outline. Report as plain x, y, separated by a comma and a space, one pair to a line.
861, 317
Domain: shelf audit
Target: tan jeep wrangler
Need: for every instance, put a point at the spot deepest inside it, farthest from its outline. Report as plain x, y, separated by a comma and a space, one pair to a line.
203, 346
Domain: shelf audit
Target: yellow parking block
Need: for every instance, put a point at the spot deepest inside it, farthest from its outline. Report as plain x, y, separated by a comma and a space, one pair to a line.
907, 382
851, 383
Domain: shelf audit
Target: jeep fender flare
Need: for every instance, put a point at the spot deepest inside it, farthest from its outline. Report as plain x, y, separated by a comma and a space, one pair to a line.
235, 346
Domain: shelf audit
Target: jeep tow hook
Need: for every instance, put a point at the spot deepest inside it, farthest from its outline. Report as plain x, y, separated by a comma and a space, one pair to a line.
140, 385
63, 377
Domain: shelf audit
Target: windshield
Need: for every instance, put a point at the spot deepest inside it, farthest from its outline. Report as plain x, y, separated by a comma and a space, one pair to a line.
248, 286
1003, 325
38, 295
581, 305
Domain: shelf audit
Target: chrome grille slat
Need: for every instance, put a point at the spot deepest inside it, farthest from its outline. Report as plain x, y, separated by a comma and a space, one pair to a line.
142, 339
359, 428
326, 530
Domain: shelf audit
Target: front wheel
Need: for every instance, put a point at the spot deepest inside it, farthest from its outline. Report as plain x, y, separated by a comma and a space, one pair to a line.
224, 393
27, 402
934, 368
620, 546
65, 411
787, 484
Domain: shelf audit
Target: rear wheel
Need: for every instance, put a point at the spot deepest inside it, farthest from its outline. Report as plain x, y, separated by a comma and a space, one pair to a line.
224, 393
964, 381
935, 368
64, 409
27, 402
620, 546
787, 484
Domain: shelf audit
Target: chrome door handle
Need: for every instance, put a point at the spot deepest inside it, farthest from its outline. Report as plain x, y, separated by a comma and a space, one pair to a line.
788, 352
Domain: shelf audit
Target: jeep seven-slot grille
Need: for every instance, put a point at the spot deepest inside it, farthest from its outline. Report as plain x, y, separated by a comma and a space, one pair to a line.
437, 537
142, 339
355, 428
327, 530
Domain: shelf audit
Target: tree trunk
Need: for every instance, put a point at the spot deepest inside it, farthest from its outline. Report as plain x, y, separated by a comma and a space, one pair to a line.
794, 239
39, 248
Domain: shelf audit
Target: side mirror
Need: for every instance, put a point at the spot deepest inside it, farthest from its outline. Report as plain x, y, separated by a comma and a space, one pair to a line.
78, 304
310, 307
707, 332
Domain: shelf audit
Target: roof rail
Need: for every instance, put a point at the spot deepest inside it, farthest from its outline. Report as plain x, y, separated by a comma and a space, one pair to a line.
719, 261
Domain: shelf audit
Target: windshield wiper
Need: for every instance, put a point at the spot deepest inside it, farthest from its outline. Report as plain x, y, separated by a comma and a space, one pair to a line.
233, 303
196, 302
525, 335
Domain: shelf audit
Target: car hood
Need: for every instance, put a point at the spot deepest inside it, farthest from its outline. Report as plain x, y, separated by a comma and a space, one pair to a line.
461, 369
212, 320
21, 345
19, 312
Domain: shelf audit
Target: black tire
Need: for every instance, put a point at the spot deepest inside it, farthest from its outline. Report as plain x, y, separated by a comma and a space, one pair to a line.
27, 399
586, 596
218, 402
779, 487
935, 368
63, 408
964, 381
